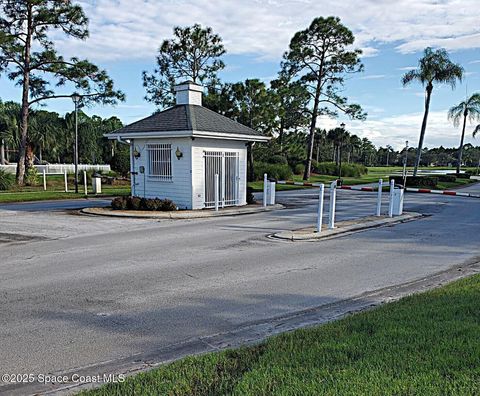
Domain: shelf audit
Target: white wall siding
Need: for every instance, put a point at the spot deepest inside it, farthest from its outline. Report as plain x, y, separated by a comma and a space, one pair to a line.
179, 189
199, 146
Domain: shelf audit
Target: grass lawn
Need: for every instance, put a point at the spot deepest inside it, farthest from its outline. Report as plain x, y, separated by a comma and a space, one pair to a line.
26, 196
56, 190
426, 344
374, 173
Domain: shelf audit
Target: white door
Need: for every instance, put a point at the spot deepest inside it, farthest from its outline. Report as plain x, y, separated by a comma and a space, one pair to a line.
225, 165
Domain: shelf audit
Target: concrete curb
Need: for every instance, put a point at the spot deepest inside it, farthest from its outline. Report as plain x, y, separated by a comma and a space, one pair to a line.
344, 227
183, 214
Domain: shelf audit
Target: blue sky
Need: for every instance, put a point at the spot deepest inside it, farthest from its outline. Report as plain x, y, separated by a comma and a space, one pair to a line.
124, 36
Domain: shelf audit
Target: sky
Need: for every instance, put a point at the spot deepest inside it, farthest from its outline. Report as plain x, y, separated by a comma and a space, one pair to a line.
125, 36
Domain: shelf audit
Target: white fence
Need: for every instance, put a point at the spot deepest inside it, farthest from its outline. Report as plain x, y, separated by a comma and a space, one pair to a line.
59, 168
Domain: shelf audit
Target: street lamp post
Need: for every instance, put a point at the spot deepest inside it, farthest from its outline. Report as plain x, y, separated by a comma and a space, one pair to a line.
405, 164
342, 125
76, 100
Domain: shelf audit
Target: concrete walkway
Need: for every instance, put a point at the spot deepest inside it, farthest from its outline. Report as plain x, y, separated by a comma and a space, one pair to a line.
344, 227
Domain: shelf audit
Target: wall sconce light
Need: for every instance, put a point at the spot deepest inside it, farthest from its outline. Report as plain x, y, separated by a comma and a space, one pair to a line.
178, 153
136, 153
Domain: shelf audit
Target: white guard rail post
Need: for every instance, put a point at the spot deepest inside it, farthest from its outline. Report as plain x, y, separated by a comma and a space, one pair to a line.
320, 207
333, 197
66, 180
216, 185
390, 205
265, 189
44, 181
379, 198
271, 193
85, 182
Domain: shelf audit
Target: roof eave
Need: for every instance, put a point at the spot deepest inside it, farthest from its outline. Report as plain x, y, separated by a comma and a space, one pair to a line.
174, 134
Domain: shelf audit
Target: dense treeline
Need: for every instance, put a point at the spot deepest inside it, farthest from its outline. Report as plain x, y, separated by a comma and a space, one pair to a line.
28, 29
51, 138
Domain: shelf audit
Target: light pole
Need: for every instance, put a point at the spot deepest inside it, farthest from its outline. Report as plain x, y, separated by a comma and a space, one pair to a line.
342, 125
405, 165
76, 100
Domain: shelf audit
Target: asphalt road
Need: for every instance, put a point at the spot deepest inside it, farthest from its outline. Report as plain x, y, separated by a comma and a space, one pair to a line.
47, 206
79, 290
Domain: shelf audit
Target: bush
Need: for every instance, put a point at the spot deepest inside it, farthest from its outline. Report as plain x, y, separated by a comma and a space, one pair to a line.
299, 169
133, 203
274, 171
447, 178
32, 178
119, 203
417, 181
6, 180
121, 162
278, 159
137, 203
465, 175
167, 205
250, 197
331, 169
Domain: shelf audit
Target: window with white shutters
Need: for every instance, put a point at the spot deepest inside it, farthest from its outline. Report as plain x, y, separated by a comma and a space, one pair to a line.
160, 161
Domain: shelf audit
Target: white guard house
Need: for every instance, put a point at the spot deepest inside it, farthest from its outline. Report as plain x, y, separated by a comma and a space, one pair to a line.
176, 153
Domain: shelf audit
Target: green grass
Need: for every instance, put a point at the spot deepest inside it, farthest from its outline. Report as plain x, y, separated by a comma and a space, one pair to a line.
55, 190
374, 173
426, 344
57, 195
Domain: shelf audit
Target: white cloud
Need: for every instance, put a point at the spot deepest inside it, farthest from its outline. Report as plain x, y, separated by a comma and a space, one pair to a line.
394, 130
373, 77
125, 29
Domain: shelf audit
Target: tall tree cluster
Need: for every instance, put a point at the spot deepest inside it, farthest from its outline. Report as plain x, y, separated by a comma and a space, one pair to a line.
52, 136
28, 57
309, 83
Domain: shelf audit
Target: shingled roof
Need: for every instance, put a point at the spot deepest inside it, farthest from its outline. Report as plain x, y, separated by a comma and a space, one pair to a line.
187, 118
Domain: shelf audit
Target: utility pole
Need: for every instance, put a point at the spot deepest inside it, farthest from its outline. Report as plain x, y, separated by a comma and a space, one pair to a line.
76, 100
405, 164
342, 125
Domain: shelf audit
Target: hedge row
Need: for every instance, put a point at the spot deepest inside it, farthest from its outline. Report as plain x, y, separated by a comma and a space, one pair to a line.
137, 203
429, 181
331, 169
417, 181
274, 171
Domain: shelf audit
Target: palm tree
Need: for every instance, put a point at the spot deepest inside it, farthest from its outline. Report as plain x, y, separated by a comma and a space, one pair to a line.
477, 129
470, 108
434, 67
389, 150
9, 128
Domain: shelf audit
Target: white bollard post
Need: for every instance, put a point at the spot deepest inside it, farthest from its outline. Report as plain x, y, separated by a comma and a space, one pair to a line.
320, 207
44, 181
66, 180
333, 198
271, 195
379, 198
85, 182
390, 205
216, 192
265, 189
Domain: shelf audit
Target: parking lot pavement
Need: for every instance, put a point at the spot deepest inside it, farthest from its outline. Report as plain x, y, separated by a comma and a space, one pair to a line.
85, 290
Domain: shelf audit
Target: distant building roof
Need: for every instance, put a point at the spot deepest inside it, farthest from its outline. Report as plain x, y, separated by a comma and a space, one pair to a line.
187, 118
